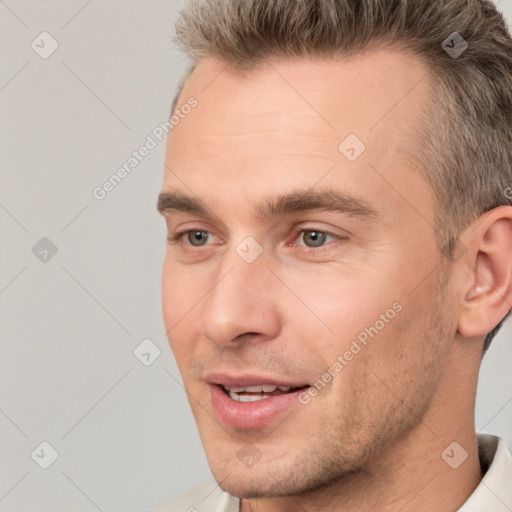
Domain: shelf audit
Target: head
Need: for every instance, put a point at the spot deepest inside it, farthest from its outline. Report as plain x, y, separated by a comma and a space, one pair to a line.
339, 222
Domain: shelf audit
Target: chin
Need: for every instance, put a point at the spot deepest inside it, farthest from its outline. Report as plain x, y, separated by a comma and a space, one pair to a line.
250, 482
253, 487
257, 487
276, 478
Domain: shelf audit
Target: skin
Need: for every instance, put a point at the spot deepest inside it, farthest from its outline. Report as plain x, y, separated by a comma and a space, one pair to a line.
373, 438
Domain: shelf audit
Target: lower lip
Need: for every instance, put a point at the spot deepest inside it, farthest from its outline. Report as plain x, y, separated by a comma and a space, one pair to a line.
250, 415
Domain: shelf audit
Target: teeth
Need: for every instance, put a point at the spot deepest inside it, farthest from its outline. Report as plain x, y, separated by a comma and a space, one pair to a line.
246, 398
259, 389
254, 393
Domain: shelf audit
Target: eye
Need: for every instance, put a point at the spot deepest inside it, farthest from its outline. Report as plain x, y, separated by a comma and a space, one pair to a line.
194, 237
314, 238
197, 238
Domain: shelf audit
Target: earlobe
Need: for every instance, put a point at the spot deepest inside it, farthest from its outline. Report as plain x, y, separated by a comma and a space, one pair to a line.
488, 295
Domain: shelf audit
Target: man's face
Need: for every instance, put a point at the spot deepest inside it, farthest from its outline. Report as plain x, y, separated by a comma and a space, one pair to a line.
306, 254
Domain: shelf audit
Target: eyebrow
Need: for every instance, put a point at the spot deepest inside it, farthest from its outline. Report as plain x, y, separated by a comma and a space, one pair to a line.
298, 201
168, 201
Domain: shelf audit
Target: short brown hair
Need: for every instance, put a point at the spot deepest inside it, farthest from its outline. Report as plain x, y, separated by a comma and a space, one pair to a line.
464, 143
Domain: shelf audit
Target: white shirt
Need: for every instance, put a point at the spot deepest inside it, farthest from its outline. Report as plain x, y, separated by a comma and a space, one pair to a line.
493, 494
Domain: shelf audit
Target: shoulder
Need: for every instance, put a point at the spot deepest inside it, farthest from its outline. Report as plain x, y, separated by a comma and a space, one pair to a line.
206, 497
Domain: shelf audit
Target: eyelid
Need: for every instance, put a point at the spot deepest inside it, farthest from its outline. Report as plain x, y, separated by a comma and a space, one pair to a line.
299, 230
328, 230
190, 225
179, 236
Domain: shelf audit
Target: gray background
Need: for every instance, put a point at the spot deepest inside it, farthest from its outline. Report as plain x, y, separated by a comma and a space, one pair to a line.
125, 438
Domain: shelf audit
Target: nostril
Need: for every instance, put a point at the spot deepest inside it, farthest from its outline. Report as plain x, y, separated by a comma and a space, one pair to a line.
247, 336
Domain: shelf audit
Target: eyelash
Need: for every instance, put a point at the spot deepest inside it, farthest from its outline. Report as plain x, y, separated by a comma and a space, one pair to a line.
177, 237
298, 231
174, 239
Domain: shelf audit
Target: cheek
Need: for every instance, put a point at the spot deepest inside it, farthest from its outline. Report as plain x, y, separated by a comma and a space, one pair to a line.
170, 302
182, 289
170, 286
178, 300
341, 302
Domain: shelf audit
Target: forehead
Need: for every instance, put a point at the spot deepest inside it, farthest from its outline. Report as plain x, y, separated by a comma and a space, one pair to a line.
346, 91
290, 122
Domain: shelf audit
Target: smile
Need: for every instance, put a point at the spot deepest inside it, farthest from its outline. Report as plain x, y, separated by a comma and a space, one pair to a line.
249, 405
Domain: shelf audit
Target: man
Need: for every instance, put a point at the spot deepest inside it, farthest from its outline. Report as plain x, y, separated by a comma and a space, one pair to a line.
339, 256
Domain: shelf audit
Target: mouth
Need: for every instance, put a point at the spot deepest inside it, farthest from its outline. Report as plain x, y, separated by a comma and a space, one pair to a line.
251, 402
259, 392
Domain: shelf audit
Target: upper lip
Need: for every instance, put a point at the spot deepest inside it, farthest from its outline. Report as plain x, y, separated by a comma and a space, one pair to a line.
244, 381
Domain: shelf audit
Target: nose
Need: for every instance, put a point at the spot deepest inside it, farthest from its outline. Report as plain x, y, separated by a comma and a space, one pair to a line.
243, 304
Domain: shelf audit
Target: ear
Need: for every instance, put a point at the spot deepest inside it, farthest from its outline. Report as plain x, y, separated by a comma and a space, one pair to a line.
486, 293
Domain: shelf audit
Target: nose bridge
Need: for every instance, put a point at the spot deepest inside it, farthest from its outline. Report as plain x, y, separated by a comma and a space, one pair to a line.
241, 299
243, 269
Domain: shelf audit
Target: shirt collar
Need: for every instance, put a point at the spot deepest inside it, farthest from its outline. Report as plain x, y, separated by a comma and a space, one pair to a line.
495, 489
